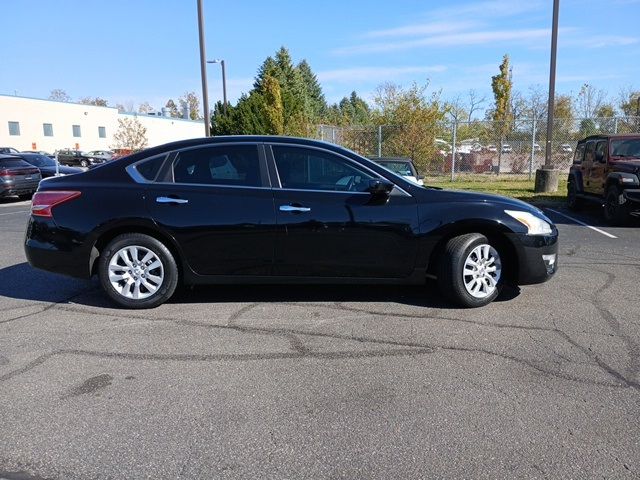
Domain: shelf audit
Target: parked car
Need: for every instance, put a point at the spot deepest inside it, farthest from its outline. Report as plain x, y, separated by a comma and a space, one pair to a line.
47, 166
77, 158
251, 209
506, 148
606, 170
17, 177
536, 148
39, 152
8, 150
402, 166
105, 155
491, 148
565, 148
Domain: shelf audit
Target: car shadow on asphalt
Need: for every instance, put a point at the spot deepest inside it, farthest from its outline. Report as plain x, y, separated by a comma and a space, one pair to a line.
24, 282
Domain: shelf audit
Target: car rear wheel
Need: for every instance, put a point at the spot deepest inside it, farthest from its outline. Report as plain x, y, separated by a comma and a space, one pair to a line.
470, 272
138, 271
573, 202
614, 212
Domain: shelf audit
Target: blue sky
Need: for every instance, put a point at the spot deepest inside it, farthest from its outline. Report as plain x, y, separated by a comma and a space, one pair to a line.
137, 50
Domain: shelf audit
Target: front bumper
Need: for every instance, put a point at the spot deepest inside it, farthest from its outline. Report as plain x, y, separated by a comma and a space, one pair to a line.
633, 195
537, 257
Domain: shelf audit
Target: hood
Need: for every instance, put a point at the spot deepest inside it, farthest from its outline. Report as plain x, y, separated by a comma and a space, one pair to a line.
477, 197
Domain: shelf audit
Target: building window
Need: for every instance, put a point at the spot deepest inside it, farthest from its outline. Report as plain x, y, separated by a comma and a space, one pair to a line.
76, 131
102, 132
47, 129
14, 128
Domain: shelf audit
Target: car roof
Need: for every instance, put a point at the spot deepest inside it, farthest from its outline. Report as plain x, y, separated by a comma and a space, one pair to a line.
612, 136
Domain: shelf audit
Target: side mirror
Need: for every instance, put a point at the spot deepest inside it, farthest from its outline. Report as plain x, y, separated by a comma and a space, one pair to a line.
378, 187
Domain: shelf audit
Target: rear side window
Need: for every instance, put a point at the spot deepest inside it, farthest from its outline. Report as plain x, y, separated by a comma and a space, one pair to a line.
149, 169
589, 155
579, 155
236, 165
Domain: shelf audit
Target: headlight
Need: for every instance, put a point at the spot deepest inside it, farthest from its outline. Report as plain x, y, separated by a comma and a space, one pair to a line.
535, 225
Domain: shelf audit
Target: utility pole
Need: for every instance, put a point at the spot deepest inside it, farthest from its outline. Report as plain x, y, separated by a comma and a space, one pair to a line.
203, 71
547, 177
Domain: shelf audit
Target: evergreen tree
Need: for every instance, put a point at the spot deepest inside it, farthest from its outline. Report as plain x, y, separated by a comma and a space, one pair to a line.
274, 111
316, 105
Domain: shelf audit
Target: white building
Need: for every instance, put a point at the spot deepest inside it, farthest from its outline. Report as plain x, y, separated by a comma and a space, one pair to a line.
35, 124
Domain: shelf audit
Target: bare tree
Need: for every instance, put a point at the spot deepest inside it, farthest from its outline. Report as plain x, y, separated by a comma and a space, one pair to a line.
131, 135
475, 102
589, 100
97, 101
59, 95
192, 102
145, 107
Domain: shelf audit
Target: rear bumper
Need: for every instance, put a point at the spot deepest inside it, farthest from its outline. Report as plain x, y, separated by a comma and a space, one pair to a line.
537, 257
20, 188
47, 249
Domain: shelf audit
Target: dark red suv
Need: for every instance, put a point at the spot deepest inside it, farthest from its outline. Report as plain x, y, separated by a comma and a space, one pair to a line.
606, 169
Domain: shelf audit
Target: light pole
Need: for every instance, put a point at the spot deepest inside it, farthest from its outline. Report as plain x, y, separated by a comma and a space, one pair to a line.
224, 83
203, 71
547, 178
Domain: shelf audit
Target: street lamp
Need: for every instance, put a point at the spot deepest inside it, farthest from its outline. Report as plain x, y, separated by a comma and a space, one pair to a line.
203, 71
224, 83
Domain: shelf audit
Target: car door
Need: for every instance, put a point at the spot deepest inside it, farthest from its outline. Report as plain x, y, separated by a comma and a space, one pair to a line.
329, 226
216, 202
598, 173
587, 164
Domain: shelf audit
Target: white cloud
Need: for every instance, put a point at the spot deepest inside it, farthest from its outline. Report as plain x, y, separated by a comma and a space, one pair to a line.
449, 40
374, 74
422, 29
490, 9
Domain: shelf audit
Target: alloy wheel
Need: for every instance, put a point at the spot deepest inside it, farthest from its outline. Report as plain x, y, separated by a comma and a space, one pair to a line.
481, 271
136, 272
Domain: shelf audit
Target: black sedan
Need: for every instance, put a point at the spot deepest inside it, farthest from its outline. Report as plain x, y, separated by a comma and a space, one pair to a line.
47, 166
278, 210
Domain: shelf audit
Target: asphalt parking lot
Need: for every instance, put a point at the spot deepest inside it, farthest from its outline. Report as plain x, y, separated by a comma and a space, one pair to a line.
325, 382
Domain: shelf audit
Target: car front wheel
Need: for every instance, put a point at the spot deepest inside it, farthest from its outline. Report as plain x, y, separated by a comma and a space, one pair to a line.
614, 212
470, 272
138, 271
573, 202
84, 163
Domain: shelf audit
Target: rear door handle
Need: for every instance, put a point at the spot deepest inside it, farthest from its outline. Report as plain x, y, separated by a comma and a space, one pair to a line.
291, 208
178, 201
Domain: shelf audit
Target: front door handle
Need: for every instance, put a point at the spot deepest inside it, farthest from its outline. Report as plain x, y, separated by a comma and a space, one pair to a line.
291, 208
178, 201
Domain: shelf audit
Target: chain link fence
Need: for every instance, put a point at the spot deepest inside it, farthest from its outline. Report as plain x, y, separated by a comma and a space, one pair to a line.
451, 149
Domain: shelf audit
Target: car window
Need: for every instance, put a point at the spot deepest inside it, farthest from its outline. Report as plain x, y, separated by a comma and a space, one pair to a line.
626, 147
13, 163
219, 165
601, 150
310, 169
149, 168
579, 155
401, 168
589, 155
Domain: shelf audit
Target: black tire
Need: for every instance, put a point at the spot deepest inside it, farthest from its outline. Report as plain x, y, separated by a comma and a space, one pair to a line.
573, 201
170, 269
84, 163
614, 213
451, 267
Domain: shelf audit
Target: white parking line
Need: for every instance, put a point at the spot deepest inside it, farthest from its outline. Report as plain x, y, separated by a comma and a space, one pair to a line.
14, 213
606, 234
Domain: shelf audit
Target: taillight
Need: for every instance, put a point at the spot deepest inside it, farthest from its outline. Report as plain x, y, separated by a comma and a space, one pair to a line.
43, 202
7, 173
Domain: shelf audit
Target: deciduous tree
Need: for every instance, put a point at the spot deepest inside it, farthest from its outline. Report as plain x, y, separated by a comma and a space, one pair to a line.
130, 135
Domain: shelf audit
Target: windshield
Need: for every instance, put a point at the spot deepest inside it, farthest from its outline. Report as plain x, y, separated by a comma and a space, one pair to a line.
401, 168
629, 147
40, 161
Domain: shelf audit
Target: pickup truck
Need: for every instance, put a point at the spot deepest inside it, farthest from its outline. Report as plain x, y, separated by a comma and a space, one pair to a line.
606, 170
